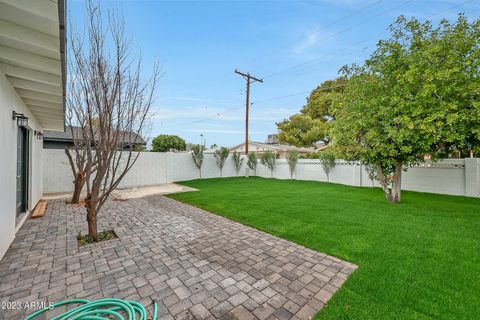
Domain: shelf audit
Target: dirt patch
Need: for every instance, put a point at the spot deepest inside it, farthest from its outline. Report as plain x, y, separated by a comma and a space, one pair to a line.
102, 236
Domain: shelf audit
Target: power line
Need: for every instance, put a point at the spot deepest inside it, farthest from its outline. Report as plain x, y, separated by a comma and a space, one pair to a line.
333, 87
359, 42
315, 32
312, 60
298, 93
282, 97
343, 31
218, 114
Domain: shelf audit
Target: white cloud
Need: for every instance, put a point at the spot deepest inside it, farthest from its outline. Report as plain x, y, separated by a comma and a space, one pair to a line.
313, 36
309, 41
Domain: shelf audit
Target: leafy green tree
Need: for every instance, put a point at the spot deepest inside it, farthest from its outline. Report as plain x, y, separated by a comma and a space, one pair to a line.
327, 160
292, 159
268, 159
197, 156
371, 172
252, 162
237, 160
314, 121
302, 130
165, 142
418, 94
220, 156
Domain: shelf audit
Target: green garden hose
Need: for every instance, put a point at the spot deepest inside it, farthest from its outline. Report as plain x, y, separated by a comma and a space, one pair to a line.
102, 309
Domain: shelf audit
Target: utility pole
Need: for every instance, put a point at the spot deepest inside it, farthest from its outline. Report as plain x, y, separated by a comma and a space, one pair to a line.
249, 78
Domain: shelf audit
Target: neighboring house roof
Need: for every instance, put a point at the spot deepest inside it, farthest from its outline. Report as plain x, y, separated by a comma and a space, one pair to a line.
274, 147
66, 136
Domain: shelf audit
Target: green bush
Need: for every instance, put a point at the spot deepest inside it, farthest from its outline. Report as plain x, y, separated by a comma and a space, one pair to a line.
165, 142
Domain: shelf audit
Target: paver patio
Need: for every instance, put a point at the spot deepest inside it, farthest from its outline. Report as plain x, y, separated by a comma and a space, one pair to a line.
193, 264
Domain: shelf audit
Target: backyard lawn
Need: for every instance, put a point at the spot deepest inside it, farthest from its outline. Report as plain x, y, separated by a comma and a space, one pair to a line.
419, 259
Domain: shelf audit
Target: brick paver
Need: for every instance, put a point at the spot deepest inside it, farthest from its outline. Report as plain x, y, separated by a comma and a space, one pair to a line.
193, 264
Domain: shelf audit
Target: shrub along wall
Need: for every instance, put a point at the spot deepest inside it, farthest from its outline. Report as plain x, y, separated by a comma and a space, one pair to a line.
449, 176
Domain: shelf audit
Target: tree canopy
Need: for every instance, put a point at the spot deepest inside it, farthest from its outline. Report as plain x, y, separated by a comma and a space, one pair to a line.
165, 142
313, 122
417, 95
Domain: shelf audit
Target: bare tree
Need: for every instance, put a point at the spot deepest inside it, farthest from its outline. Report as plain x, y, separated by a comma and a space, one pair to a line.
76, 155
110, 101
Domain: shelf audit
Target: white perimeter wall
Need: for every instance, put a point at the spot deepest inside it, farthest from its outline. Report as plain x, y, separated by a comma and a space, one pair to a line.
450, 176
9, 101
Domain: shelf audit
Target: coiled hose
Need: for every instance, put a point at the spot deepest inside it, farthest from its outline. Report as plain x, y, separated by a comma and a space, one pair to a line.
103, 309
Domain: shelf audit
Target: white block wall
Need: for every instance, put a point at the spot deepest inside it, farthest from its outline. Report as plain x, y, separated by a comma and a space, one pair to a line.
151, 168
451, 176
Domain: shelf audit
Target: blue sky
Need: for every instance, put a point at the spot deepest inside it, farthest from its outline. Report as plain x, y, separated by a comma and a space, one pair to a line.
200, 43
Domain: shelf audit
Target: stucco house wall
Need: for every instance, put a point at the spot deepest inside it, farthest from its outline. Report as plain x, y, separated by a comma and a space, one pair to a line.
10, 101
32, 84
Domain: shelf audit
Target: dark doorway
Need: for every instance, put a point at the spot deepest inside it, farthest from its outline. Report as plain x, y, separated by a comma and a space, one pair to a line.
22, 170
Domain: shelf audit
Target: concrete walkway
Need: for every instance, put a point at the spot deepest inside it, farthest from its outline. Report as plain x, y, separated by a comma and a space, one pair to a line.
194, 264
130, 193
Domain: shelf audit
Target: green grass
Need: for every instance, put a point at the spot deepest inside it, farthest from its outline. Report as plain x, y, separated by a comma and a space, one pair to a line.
419, 259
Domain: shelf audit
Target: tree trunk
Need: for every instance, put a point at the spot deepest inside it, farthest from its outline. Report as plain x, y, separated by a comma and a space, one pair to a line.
78, 186
92, 219
393, 194
383, 183
397, 183
200, 171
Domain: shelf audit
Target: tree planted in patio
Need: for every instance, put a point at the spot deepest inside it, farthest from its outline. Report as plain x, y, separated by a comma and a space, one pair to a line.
77, 156
220, 156
108, 96
416, 96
